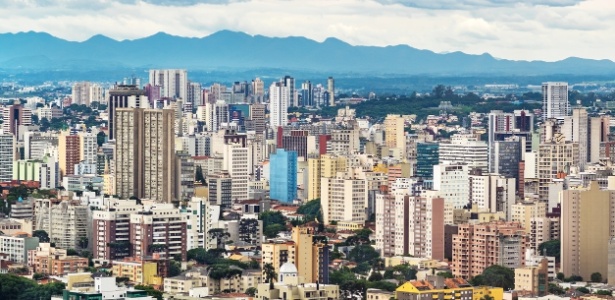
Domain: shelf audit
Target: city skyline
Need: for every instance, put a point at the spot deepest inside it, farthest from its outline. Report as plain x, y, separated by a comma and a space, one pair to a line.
547, 30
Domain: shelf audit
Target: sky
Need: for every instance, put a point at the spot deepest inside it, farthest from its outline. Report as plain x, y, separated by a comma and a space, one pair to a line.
547, 30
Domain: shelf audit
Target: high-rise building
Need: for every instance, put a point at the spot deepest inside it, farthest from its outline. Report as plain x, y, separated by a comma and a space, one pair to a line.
237, 163
466, 149
173, 82
492, 192
394, 135
111, 225
345, 140
159, 230
331, 90
555, 159
599, 131
257, 121
194, 94
283, 178
299, 141
419, 226
500, 243
45, 171
279, 99
7, 156
289, 83
587, 219
524, 212
215, 115
452, 183
13, 116
66, 222
575, 129
68, 153
145, 154
503, 126
220, 189
84, 93
307, 94
124, 96
258, 90
555, 100
427, 156
506, 155
343, 198
88, 147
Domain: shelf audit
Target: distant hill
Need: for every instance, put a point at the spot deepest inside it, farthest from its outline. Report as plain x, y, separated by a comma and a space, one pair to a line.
237, 51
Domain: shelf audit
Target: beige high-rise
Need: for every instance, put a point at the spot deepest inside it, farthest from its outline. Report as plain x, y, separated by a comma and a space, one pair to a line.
588, 223
145, 153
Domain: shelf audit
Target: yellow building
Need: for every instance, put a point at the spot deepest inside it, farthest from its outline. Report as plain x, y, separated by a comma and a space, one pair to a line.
81, 282
523, 212
585, 219
533, 279
347, 225
139, 272
439, 288
376, 294
394, 136
326, 165
312, 260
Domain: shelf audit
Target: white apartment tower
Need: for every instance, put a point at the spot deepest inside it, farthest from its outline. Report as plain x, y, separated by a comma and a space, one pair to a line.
173, 83
279, 99
7, 155
555, 100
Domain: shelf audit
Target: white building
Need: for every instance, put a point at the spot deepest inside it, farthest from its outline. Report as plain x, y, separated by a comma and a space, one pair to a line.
492, 192
279, 100
237, 163
343, 198
555, 100
86, 92
466, 149
451, 181
7, 154
173, 83
49, 112
17, 247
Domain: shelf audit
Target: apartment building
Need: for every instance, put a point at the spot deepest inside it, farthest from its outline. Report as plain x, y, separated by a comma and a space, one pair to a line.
159, 229
16, 247
54, 261
478, 246
343, 198
111, 230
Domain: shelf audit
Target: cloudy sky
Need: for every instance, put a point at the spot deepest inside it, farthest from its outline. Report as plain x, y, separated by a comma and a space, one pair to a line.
515, 29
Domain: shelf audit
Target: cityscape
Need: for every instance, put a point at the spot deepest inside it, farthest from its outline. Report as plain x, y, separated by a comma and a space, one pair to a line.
240, 166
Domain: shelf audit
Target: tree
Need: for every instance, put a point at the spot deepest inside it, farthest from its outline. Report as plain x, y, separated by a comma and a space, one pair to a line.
364, 253
42, 235
361, 237
270, 274
445, 274
376, 276
604, 292
551, 248
556, 289
499, 276
596, 277
38, 276
220, 235
574, 278
272, 231
83, 242
583, 290
199, 175
311, 210
251, 291
151, 291
174, 268
438, 91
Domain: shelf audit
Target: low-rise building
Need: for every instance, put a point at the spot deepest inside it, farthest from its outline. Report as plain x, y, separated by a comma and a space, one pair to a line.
53, 261
436, 287
106, 288
137, 271
290, 286
16, 247
533, 279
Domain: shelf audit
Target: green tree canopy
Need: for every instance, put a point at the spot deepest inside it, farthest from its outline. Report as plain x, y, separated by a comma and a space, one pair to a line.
596, 277
551, 248
497, 276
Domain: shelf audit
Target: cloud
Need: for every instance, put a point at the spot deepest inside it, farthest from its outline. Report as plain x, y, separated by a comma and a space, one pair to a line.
525, 29
467, 4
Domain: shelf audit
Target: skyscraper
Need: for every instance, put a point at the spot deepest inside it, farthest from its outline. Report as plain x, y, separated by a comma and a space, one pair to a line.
331, 90
427, 156
173, 82
278, 104
283, 165
145, 154
587, 218
258, 90
289, 82
86, 92
124, 96
7, 156
555, 100
13, 116
307, 94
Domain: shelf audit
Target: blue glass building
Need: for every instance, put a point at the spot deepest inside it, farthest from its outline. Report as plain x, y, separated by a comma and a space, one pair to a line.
427, 156
283, 175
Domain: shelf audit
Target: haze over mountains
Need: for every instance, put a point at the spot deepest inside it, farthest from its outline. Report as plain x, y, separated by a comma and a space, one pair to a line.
236, 50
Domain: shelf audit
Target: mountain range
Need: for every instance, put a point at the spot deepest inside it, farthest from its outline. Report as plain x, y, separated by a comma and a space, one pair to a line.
237, 50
